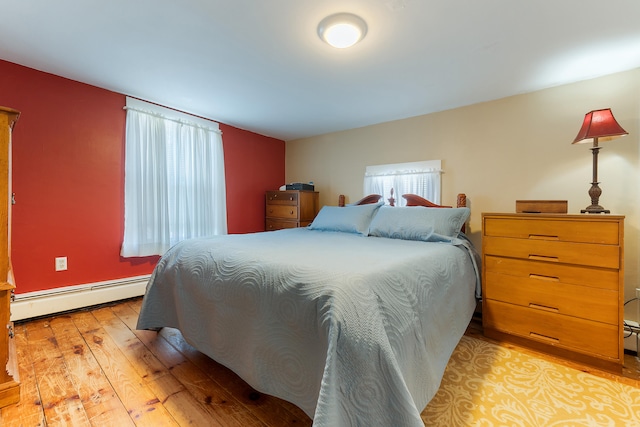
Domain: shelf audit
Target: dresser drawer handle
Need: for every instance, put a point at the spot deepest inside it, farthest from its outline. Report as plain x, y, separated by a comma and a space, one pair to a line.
541, 277
291, 213
544, 337
543, 237
543, 307
543, 258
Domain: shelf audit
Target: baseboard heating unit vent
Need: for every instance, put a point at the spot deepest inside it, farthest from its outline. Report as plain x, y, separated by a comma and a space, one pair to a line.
43, 303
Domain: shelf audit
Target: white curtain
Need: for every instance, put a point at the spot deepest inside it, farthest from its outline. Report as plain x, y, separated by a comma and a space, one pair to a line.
424, 182
174, 182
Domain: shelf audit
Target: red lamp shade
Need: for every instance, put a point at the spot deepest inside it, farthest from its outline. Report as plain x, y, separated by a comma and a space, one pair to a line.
598, 124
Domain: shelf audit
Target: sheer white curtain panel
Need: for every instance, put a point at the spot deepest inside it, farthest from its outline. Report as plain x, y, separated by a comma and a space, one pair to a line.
174, 182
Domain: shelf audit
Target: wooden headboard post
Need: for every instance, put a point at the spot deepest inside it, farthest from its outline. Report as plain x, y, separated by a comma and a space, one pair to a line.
462, 200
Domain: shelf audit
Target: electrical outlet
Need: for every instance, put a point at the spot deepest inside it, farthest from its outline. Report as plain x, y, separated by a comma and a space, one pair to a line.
61, 263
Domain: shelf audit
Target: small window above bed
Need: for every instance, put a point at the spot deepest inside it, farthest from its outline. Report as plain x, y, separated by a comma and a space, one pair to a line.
421, 178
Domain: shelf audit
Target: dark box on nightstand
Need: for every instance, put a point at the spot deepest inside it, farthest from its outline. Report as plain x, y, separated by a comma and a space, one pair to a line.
300, 186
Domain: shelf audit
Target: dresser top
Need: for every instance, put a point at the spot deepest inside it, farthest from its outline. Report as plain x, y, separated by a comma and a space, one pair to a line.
559, 216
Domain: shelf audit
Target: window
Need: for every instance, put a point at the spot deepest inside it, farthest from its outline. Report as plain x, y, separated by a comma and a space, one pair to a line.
421, 178
174, 179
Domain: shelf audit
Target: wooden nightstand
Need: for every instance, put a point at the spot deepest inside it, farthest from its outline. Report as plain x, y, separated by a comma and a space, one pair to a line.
554, 282
290, 209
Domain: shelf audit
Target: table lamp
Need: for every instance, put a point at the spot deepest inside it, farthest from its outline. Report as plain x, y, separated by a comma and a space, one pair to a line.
597, 124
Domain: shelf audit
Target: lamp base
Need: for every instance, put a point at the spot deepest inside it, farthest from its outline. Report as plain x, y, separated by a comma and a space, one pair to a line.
595, 192
595, 209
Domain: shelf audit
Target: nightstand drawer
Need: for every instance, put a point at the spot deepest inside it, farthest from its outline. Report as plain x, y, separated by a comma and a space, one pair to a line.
595, 304
282, 198
282, 211
563, 273
595, 255
274, 224
571, 333
554, 229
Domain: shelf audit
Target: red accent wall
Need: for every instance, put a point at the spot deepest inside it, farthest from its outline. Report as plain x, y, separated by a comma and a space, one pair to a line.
253, 164
68, 179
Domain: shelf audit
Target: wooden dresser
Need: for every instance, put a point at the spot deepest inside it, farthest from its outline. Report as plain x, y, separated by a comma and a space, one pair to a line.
554, 282
9, 386
290, 209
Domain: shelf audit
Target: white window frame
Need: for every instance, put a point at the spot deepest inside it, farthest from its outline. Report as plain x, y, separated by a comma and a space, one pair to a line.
422, 178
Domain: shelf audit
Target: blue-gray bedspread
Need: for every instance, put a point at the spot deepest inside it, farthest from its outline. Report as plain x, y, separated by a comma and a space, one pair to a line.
356, 331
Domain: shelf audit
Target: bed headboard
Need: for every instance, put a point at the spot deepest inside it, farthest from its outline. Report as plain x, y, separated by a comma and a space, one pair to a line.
412, 200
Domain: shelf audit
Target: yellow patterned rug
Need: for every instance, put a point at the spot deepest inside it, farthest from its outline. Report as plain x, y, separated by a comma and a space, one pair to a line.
488, 385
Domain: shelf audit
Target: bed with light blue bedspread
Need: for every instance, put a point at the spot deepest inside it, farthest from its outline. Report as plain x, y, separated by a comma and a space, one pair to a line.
355, 330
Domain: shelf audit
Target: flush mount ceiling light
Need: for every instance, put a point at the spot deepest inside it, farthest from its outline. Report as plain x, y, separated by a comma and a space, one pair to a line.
342, 30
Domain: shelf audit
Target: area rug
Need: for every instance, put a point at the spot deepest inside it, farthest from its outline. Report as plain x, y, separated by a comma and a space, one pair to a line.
489, 385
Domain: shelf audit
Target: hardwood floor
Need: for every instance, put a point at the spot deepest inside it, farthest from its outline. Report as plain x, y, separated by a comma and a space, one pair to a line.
93, 368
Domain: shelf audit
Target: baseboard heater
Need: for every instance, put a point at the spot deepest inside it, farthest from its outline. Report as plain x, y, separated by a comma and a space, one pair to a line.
51, 301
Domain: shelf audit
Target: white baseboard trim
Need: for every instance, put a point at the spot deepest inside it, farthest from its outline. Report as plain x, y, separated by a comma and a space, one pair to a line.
43, 303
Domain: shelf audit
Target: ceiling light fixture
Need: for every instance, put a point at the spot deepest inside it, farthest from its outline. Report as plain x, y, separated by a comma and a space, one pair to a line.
342, 30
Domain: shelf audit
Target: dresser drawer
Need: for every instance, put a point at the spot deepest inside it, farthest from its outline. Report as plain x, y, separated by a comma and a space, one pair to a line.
595, 255
275, 224
600, 305
553, 272
575, 334
282, 198
561, 229
282, 211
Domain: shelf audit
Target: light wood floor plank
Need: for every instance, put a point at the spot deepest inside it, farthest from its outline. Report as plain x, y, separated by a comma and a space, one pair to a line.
151, 368
142, 404
135, 304
98, 397
61, 402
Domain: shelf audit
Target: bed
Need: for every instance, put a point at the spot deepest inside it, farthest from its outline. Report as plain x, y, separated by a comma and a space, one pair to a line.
353, 318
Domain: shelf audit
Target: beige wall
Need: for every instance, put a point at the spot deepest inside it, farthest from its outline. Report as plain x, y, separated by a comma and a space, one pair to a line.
497, 152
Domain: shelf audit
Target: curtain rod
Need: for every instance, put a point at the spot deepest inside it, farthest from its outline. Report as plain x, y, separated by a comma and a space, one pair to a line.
404, 172
182, 122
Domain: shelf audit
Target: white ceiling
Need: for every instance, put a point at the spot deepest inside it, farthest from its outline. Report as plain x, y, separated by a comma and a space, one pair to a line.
259, 64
